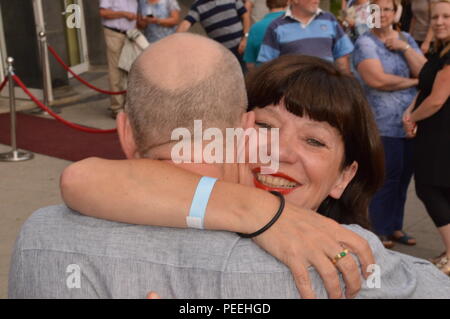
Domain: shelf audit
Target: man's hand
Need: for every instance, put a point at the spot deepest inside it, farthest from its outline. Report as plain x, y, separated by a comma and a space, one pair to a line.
301, 238
242, 45
129, 15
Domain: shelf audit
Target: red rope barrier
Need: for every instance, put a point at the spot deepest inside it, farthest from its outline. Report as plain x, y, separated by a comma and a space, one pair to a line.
59, 118
3, 83
60, 60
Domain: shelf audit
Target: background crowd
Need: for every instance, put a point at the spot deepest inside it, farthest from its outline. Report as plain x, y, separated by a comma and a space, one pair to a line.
402, 64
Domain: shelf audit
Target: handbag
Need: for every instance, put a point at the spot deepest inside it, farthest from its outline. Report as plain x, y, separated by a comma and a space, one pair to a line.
135, 44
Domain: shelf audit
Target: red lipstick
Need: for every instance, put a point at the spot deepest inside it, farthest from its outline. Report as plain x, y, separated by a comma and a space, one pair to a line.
281, 190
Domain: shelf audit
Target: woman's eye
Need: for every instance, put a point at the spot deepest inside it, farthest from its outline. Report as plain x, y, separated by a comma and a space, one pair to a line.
314, 142
263, 125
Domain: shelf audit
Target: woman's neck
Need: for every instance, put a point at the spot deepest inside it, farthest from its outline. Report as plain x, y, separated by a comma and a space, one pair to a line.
383, 33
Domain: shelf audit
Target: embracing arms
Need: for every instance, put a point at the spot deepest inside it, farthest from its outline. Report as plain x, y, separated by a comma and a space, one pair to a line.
157, 193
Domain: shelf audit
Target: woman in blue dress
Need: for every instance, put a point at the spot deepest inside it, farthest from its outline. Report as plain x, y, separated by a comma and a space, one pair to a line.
158, 18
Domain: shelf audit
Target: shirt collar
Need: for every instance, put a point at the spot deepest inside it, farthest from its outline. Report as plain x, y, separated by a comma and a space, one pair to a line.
290, 15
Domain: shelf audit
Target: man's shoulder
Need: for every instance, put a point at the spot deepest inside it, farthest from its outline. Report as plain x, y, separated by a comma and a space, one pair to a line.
212, 4
325, 15
280, 21
58, 229
365, 39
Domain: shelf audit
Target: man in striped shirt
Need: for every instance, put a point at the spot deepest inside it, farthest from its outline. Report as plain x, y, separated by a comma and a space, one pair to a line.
226, 21
306, 29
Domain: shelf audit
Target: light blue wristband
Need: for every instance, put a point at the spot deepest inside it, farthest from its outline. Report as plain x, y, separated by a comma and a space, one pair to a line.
200, 202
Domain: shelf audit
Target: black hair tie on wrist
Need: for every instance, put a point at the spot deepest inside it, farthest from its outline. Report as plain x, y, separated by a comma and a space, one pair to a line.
274, 219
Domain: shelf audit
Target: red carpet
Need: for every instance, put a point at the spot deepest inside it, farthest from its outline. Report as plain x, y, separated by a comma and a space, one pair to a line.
52, 138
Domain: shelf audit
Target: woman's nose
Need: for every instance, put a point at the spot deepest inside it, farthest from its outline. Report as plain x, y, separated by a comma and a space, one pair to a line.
289, 150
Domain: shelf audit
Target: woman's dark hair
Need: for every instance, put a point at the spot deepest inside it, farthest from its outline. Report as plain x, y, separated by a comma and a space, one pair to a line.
312, 87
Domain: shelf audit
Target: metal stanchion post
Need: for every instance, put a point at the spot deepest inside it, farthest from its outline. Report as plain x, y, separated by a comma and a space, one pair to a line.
47, 85
14, 155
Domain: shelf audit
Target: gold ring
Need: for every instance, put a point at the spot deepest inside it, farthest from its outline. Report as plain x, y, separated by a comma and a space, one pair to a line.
339, 256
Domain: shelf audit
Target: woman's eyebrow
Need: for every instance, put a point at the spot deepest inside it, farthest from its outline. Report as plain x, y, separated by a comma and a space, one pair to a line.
317, 125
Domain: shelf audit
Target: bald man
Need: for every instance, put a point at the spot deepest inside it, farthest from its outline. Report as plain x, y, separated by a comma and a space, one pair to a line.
62, 254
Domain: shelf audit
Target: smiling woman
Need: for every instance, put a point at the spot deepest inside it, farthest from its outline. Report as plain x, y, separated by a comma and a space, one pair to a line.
324, 123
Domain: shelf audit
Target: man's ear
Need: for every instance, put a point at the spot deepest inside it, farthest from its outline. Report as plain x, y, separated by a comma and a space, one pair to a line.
346, 177
248, 120
126, 136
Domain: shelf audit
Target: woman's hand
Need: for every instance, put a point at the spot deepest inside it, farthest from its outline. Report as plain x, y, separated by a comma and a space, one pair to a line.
395, 44
152, 295
141, 22
301, 238
152, 20
425, 47
408, 125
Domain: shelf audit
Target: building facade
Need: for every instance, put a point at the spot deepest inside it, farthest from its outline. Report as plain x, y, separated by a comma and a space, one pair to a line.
73, 28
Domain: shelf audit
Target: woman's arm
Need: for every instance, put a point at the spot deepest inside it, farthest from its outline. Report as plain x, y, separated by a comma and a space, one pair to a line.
158, 193
415, 59
425, 47
408, 125
372, 73
439, 95
172, 21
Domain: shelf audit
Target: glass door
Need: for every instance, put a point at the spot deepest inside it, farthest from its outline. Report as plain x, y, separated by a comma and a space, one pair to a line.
76, 39
2, 54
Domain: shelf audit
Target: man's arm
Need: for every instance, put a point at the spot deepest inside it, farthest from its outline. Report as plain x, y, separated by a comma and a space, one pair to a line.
343, 64
110, 14
246, 23
184, 26
191, 18
156, 193
270, 48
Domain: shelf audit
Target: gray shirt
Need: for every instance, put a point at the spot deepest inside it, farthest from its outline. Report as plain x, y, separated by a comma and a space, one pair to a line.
114, 260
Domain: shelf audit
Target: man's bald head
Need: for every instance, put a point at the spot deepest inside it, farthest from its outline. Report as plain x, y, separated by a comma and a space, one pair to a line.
179, 79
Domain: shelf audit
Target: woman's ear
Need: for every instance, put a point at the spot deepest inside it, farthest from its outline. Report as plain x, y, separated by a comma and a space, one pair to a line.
126, 136
248, 120
346, 177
